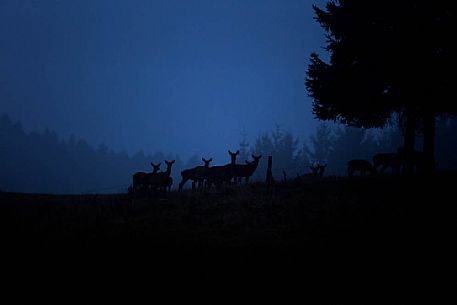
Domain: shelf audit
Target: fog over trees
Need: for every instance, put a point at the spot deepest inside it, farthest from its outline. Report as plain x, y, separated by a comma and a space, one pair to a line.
44, 163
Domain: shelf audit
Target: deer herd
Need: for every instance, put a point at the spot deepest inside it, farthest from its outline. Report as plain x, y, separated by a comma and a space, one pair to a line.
384, 161
206, 176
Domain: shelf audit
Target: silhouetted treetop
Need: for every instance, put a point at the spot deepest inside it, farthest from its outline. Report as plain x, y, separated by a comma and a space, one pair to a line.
385, 57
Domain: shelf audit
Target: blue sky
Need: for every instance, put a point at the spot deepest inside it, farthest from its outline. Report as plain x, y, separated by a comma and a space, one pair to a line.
175, 76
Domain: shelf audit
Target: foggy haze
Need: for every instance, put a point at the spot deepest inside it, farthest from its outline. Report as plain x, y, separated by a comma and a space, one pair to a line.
181, 77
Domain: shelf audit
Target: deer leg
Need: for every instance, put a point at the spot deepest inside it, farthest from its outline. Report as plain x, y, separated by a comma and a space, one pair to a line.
181, 184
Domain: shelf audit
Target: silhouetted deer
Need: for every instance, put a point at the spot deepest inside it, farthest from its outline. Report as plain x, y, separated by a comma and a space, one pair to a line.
139, 176
196, 174
360, 165
417, 159
317, 168
224, 173
246, 171
382, 161
160, 180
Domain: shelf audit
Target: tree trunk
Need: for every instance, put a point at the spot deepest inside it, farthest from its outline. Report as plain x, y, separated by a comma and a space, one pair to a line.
429, 143
409, 144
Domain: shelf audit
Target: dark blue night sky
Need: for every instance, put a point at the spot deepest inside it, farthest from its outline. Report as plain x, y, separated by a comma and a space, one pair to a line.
177, 76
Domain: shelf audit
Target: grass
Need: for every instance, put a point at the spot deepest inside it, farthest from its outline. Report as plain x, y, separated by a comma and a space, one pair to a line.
372, 225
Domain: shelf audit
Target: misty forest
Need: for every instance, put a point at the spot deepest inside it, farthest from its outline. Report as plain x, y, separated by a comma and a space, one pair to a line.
39, 162
209, 140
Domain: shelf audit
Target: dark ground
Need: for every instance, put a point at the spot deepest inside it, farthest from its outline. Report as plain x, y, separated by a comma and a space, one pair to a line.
371, 231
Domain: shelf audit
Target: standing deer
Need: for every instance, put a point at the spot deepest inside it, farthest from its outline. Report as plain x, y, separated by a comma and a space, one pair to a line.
317, 168
196, 174
360, 165
160, 180
382, 161
246, 170
138, 177
223, 173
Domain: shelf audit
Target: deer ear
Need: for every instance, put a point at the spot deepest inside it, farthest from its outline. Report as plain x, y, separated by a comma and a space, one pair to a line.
237, 152
172, 162
230, 153
210, 159
159, 164
203, 159
152, 164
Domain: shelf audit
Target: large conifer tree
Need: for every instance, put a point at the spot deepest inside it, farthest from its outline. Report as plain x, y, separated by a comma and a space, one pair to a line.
386, 57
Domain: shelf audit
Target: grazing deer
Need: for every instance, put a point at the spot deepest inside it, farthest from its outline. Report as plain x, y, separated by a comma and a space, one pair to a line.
223, 173
362, 166
382, 161
417, 159
139, 176
196, 174
160, 180
246, 170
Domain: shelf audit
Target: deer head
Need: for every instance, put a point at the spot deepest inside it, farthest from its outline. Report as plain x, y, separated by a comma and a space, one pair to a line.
255, 162
235, 153
256, 158
314, 166
169, 165
317, 167
207, 161
233, 156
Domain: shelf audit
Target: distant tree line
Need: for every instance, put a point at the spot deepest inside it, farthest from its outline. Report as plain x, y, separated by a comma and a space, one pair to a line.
41, 162
337, 144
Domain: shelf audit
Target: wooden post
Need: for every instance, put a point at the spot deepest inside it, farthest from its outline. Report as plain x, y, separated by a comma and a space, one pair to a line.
269, 177
409, 143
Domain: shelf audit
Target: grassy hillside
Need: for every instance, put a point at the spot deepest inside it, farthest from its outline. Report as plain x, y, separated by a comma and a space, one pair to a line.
372, 225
